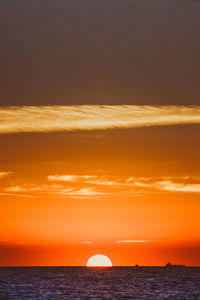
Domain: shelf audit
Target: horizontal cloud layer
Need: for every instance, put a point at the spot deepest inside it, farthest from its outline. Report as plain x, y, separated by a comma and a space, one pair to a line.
102, 186
18, 119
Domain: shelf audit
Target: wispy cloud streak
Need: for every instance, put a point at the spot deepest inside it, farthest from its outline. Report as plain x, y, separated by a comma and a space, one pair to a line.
18, 119
178, 187
170, 185
69, 178
4, 174
135, 241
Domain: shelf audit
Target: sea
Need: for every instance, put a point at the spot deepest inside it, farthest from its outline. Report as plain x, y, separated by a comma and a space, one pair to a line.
82, 283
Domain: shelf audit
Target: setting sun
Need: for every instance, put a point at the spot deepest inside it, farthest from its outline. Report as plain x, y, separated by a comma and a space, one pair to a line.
99, 260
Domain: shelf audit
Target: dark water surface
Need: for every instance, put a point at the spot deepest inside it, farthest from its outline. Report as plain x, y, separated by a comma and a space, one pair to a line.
99, 283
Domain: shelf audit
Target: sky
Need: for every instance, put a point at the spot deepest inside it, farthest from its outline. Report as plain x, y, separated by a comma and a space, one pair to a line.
99, 131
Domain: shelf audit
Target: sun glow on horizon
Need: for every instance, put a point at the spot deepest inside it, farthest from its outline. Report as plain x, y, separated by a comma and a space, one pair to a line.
99, 260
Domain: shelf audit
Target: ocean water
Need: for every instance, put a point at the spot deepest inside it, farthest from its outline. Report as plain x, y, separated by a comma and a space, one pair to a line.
99, 283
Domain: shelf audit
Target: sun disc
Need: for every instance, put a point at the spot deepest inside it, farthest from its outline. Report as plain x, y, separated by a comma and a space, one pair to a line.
99, 260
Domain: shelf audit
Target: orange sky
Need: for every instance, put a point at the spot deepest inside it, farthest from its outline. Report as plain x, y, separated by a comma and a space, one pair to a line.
130, 194
78, 178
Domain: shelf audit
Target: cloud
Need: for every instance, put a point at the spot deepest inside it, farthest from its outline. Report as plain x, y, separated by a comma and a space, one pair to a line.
4, 174
69, 178
104, 181
81, 243
178, 187
32, 189
81, 192
135, 241
88, 179
16, 119
88, 242
23, 188
81, 186
171, 184
51, 190
18, 195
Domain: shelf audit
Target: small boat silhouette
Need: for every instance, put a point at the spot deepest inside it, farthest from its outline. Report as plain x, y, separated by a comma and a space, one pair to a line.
169, 265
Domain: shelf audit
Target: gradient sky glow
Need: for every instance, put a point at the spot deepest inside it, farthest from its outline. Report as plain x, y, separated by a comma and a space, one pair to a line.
99, 131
